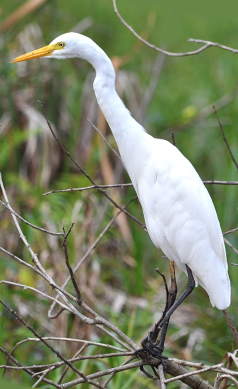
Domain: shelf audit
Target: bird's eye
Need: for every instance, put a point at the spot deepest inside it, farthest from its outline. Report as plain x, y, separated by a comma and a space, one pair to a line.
62, 44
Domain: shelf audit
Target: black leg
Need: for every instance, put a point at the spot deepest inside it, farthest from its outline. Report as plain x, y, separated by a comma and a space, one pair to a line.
158, 349
170, 302
149, 344
189, 288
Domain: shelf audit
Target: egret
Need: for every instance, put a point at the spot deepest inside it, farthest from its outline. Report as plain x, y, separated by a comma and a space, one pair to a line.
179, 214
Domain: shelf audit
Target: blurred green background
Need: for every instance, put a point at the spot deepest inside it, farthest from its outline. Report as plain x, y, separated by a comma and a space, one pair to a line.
177, 98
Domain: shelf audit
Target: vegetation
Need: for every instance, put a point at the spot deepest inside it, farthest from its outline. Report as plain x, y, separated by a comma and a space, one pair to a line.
119, 277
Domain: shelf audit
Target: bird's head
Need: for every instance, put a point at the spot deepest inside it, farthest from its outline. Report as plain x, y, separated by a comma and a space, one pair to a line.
68, 45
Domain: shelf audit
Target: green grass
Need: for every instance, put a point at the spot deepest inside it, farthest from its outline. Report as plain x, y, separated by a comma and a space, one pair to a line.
186, 86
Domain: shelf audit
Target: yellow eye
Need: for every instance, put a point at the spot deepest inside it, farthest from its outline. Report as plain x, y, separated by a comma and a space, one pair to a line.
62, 44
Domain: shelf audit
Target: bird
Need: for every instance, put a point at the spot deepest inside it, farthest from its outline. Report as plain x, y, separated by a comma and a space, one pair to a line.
179, 213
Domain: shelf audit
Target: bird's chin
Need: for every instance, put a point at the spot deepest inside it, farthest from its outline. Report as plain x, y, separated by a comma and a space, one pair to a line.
56, 56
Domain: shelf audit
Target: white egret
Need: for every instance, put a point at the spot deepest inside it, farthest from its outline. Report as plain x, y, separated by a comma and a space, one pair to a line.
178, 210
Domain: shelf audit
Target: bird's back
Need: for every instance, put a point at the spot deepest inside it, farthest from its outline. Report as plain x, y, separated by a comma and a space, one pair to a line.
181, 218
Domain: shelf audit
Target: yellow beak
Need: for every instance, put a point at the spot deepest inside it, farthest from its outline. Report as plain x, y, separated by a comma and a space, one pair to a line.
43, 52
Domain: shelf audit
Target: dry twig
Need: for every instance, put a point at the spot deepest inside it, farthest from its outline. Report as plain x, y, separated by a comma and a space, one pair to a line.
207, 44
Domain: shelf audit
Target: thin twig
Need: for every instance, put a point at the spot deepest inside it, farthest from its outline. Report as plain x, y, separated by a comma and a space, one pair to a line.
206, 46
88, 188
91, 248
74, 359
162, 377
219, 379
220, 182
41, 377
231, 326
187, 363
29, 224
28, 371
114, 337
86, 175
26, 287
209, 182
112, 375
59, 355
105, 139
173, 139
103, 373
61, 292
150, 90
34, 268
224, 137
72, 340
64, 244
230, 232
214, 44
232, 247
79, 352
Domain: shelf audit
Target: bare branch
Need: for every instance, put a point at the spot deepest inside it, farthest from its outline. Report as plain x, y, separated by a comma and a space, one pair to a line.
187, 363
149, 92
105, 140
207, 44
61, 292
213, 182
25, 287
224, 138
88, 188
34, 268
59, 355
231, 326
74, 359
64, 244
220, 378
103, 373
232, 247
162, 377
173, 138
209, 182
117, 340
91, 248
230, 232
29, 224
193, 373
28, 371
235, 51
86, 175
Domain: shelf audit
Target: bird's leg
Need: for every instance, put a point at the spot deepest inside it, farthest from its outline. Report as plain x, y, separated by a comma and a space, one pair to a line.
170, 302
170, 299
150, 340
149, 343
157, 350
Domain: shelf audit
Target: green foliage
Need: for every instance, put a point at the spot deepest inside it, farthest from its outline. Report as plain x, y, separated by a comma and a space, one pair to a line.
186, 87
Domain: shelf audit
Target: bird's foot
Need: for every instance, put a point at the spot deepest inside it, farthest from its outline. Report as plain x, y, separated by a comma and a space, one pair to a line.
151, 347
154, 350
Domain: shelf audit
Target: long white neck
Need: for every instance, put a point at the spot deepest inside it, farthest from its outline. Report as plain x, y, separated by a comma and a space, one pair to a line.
124, 128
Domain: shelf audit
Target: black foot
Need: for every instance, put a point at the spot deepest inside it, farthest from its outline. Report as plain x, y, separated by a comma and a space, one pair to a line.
149, 347
155, 352
148, 374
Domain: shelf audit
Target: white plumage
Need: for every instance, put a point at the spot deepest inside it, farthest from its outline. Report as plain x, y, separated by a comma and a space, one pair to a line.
179, 213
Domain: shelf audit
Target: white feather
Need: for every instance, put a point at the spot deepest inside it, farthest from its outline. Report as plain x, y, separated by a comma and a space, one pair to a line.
179, 213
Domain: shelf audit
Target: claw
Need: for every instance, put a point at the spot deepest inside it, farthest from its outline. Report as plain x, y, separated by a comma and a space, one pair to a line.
155, 372
146, 373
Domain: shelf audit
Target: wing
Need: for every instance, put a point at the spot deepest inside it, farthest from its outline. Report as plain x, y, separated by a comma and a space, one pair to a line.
182, 221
